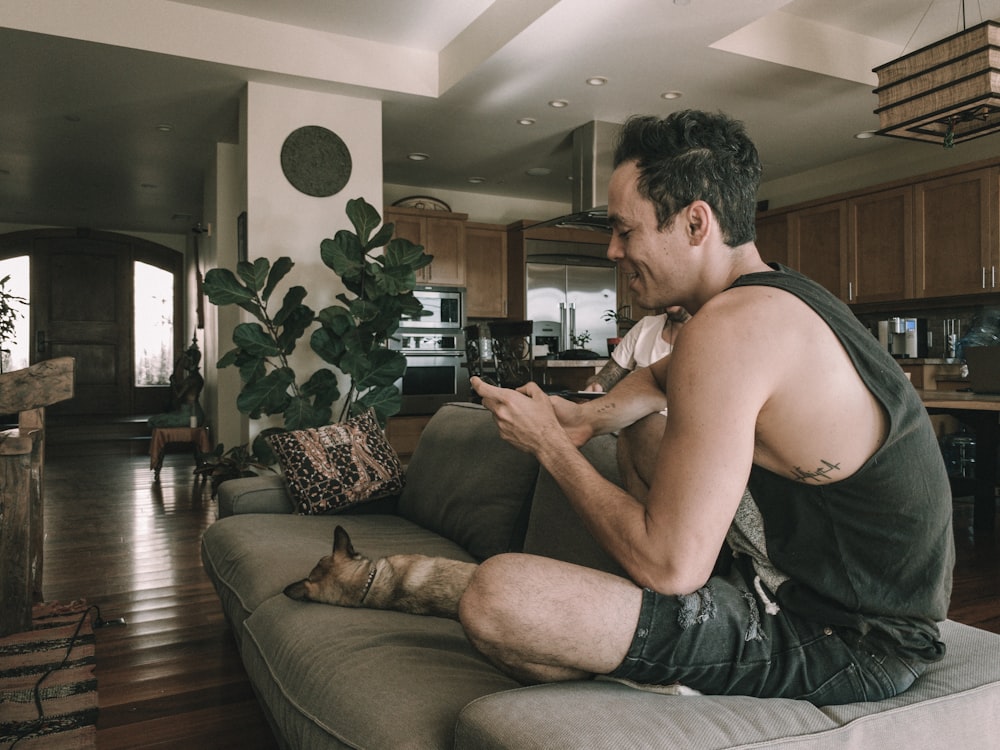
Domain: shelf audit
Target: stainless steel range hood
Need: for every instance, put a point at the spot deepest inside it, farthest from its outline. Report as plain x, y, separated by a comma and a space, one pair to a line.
593, 157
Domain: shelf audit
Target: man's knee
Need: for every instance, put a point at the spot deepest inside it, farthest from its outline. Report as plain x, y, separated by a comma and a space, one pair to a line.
482, 609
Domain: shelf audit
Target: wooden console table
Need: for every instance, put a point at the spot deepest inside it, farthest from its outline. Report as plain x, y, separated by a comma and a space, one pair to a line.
981, 412
22, 460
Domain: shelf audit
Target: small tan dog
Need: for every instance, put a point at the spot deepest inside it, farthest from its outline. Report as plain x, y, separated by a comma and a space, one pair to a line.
416, 584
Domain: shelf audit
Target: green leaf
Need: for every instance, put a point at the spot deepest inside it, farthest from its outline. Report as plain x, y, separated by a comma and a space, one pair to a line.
403, 253
386, 401
279, 270
381, 237
364, 217
227, 359
322, 388
328, 345
269, 395
294, 326
254, 340
384, 367
344, 255
254, 274
262, 449
300, 414
222, 288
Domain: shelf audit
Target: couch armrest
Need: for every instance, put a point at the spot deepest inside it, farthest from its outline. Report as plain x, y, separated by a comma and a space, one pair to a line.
263, 494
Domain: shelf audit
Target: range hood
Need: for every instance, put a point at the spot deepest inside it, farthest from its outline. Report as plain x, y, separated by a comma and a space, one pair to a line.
593, 157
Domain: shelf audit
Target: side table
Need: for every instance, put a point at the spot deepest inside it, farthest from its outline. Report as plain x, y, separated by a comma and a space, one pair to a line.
196, 437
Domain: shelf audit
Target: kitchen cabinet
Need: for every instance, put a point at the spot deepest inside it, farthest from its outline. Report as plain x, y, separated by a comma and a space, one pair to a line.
772, 238
486, 270
403, 434
956, 234
442, 234
818, 244
880, 246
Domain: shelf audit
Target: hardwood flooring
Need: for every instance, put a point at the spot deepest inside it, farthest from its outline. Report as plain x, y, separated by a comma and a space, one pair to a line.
171, 677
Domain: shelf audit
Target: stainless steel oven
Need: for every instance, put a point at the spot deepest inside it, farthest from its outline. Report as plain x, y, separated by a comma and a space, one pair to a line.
444, 308
435, 369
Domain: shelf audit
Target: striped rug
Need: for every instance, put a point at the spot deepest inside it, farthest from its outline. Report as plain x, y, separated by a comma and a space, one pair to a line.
68, 695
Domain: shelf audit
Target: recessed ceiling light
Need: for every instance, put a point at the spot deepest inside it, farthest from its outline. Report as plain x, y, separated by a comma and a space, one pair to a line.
538, 171
165, 127
559, 103
477, 180
596, 81
526, 121
417, 156
668, 95
865, 134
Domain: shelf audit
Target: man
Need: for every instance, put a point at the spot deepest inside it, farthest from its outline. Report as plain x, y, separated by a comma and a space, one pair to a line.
843, 546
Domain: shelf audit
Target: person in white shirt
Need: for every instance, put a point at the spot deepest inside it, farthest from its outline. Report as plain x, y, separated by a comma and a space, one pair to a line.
650, 339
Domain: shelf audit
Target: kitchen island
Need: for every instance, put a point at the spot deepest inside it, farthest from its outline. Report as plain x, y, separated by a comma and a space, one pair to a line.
571, 374
980, 411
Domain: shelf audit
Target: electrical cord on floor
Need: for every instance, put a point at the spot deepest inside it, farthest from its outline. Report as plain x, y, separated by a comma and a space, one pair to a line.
99, 622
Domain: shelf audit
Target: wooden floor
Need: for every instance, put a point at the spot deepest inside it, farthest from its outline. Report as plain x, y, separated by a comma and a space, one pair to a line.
171, 677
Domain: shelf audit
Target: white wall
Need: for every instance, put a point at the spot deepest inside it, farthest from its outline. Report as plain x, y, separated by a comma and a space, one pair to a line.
283, 221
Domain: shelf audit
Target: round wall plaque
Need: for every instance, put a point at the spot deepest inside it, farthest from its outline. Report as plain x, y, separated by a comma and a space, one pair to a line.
316, 161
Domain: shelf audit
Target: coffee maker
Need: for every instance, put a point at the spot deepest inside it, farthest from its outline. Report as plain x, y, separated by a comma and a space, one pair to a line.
904, 337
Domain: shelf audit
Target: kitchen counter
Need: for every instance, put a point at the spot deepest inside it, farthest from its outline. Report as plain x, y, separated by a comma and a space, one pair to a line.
571, 374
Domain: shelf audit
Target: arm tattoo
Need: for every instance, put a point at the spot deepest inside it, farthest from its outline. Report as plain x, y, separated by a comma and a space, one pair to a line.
818, 474
610, 374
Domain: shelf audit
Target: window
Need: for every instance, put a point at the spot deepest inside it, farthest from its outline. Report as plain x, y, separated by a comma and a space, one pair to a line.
14, 349
154, 324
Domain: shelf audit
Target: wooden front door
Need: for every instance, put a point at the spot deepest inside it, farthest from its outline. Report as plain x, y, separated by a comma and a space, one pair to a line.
81, 303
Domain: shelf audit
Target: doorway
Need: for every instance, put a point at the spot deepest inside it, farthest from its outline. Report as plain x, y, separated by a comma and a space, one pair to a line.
82, 305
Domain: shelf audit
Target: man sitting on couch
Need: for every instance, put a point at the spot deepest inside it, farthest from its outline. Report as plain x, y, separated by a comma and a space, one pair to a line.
842, 544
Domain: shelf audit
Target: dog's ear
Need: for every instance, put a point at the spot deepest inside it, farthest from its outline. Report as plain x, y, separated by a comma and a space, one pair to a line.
342, 542
298, 591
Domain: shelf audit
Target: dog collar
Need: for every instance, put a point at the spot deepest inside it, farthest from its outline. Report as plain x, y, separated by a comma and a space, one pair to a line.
368, 583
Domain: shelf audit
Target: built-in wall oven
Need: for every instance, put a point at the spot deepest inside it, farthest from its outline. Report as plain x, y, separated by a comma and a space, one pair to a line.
434, 348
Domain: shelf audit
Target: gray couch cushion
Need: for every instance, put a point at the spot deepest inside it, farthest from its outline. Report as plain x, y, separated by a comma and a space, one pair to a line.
551, 513
267, 493
369, 679
466, 483
954, 704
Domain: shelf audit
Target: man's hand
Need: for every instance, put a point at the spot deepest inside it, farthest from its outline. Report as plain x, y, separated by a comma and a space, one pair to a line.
529, 419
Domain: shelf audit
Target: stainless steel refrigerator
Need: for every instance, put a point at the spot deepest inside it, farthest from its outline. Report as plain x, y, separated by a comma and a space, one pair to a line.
574, 292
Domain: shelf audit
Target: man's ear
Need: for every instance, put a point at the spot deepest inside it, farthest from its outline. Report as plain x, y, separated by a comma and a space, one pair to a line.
698, 216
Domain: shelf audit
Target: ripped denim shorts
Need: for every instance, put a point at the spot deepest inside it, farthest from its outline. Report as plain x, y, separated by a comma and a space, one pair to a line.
720, 641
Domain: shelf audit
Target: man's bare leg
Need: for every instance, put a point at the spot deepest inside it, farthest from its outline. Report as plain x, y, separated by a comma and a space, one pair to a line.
542, 620
638, 446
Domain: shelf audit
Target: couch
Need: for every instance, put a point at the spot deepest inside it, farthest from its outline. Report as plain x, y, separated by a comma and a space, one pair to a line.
332, 677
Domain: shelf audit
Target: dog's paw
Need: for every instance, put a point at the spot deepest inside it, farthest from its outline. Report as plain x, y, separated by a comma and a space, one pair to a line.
673, 689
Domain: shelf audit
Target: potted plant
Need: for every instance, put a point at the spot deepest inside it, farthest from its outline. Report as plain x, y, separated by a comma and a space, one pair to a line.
351, 336
8, 317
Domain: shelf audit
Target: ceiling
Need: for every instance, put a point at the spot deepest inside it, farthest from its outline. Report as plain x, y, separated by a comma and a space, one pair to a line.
82, 97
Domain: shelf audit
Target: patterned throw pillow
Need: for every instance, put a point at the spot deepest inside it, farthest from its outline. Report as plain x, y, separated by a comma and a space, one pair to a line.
333, 467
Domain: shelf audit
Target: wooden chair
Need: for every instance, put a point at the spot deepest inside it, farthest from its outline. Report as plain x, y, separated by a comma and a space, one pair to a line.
22, 458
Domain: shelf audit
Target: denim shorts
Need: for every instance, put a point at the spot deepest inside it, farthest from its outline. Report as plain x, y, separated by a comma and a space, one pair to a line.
720, 641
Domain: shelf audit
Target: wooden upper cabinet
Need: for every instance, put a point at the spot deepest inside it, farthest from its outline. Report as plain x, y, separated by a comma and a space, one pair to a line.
818, 245
772, 239
880, 248
955, 235
486, 270
442, 234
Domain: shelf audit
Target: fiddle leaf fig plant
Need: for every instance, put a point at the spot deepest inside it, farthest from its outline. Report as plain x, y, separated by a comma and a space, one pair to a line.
352, 336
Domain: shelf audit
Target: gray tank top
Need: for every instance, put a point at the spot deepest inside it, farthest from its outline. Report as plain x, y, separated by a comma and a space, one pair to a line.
873, 552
